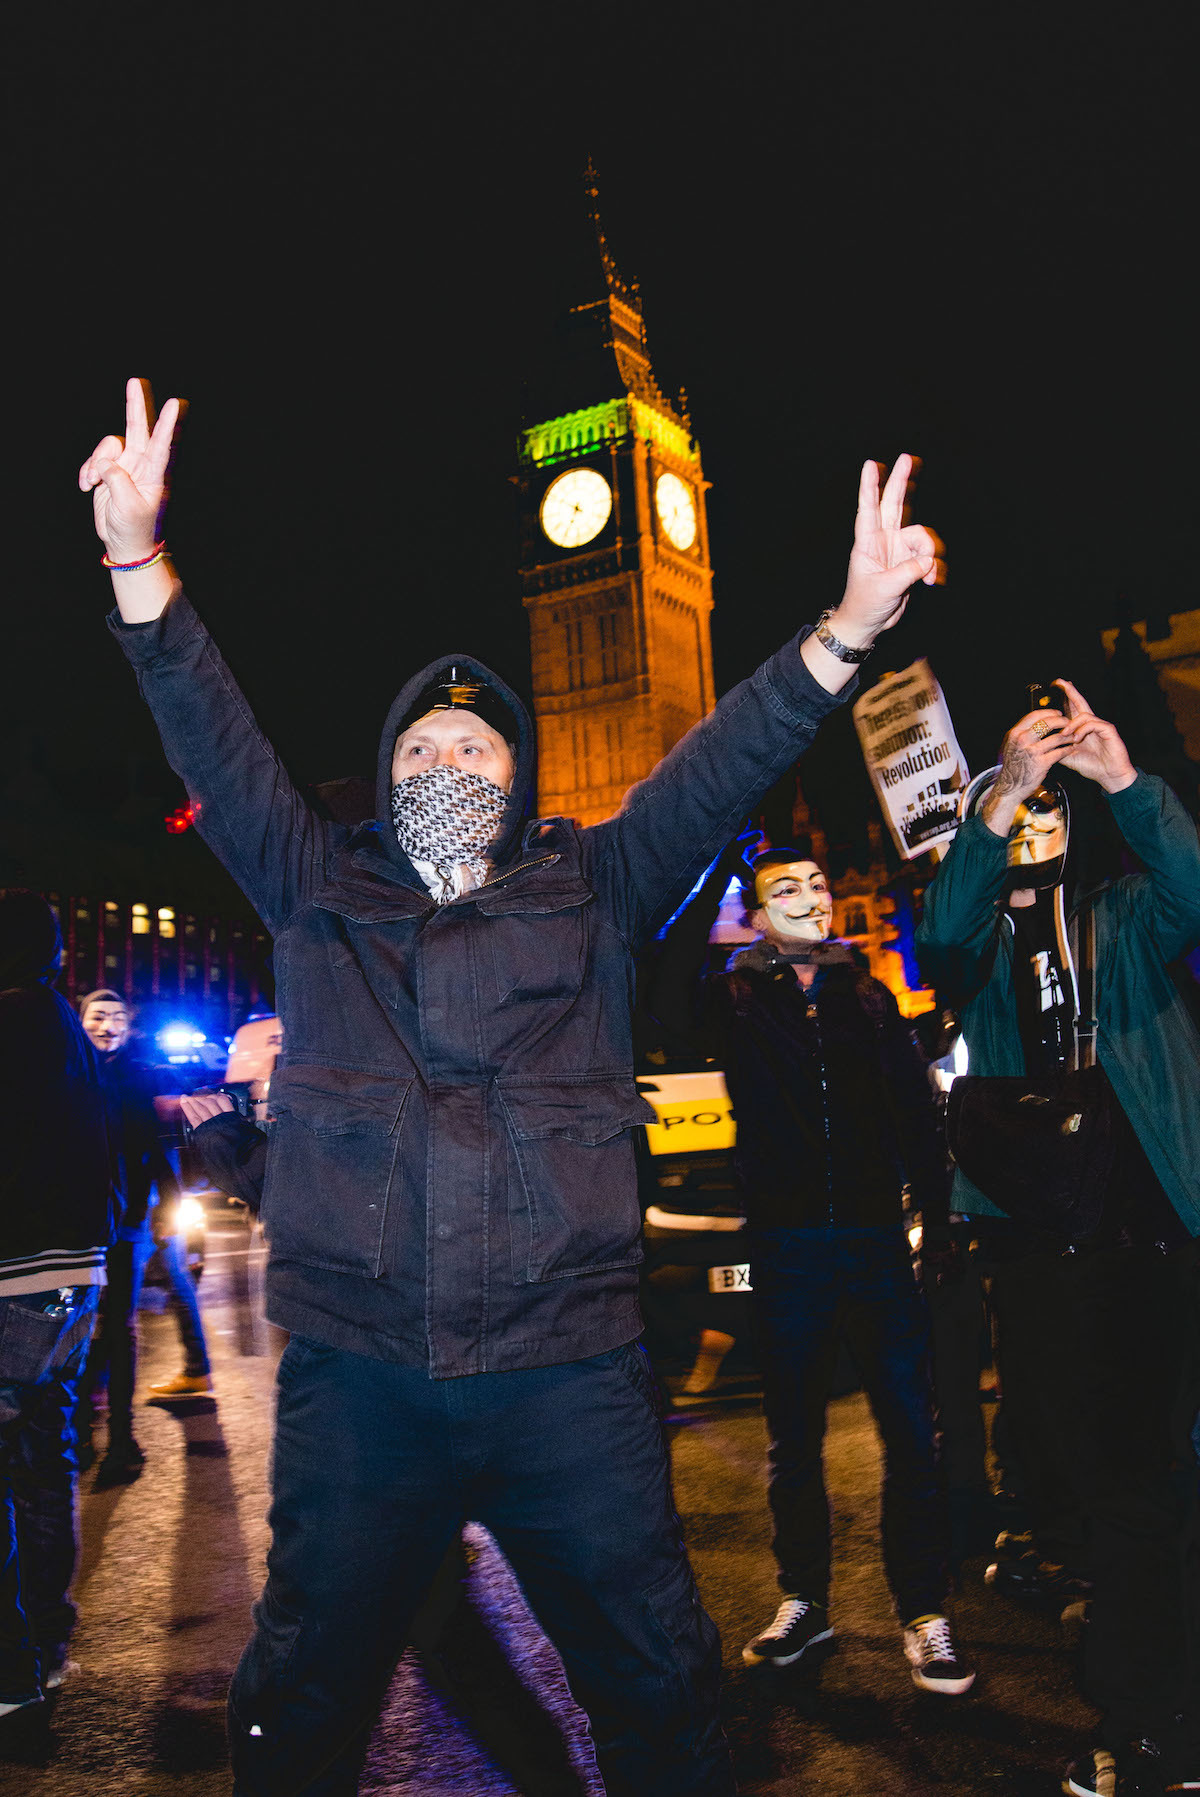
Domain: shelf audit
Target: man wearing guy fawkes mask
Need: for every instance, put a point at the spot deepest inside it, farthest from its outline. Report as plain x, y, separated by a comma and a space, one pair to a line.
834, 1114
1044, 985
1092, 1341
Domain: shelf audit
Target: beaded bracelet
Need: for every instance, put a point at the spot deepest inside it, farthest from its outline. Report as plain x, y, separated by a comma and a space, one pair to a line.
156, 555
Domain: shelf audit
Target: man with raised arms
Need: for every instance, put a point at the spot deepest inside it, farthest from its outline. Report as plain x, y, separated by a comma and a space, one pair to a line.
450, 1194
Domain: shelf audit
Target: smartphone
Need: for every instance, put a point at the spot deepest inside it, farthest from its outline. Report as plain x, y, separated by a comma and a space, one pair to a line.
1047, 698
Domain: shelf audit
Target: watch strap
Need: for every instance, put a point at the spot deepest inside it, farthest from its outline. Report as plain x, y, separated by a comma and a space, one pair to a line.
834, 644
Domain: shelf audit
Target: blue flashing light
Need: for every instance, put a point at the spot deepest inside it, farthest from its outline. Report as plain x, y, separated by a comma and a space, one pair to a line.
180, 1041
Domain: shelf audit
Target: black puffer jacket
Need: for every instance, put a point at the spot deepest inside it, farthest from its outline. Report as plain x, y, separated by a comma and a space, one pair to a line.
450, 1181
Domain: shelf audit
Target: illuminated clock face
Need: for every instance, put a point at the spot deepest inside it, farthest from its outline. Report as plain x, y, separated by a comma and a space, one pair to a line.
676, 510
576, 507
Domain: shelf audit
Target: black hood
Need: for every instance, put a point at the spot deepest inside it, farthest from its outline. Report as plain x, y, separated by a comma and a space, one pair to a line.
522, 798
30, 940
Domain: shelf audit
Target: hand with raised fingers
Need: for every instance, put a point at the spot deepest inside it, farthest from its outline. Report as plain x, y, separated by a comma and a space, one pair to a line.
1032, 747
127, 478
1098, 753
889, 556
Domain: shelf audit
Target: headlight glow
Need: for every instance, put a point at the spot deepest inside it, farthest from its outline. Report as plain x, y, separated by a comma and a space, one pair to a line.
189, 1214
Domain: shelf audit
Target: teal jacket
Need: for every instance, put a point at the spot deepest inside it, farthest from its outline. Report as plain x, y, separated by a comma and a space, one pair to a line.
1146, 1041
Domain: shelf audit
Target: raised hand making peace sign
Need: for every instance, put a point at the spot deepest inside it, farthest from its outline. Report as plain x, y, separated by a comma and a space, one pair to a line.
127, 478
889, 555
888, 558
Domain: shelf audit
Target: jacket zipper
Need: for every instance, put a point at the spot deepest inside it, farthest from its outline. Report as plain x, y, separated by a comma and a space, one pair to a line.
496, 878
814, 1018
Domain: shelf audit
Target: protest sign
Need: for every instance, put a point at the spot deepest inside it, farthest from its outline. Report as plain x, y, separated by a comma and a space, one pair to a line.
913, 758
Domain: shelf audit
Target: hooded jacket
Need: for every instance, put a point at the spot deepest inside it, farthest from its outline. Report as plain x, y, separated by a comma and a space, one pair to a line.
833, 1106
450, 1181
1146, 1041
57, 1209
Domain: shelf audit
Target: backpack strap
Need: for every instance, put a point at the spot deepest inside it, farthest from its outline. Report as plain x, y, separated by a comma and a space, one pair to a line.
1083, 946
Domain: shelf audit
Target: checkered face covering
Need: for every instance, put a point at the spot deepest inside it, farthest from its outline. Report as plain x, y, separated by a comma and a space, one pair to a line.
448, 817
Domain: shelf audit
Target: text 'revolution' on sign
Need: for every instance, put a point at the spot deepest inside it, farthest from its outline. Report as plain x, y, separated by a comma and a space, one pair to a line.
913, 758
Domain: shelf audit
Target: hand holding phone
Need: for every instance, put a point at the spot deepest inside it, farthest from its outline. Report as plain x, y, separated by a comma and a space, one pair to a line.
1047, 698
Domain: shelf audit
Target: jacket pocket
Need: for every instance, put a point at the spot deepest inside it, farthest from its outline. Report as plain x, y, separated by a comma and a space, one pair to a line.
335, 1138
573, 1203
537, 955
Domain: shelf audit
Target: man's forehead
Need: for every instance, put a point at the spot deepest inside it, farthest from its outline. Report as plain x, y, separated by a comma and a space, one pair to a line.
108, 1007
463, 721
783, 871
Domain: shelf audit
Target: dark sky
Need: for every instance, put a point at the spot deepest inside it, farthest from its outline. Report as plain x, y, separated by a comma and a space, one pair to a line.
343, 233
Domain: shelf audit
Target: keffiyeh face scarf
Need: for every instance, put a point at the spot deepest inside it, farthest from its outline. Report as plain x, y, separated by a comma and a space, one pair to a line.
448, 818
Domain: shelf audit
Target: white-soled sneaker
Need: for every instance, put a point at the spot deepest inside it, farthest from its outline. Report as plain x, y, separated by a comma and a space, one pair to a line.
798, 1625
935, 1661
9, 1704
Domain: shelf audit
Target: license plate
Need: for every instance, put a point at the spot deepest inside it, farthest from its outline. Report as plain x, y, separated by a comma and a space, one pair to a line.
730, 1279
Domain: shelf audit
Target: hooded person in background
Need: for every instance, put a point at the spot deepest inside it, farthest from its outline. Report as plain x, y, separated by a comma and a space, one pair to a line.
56, 1221
145, 1181
834, 1113
1092, 1341
450, 1198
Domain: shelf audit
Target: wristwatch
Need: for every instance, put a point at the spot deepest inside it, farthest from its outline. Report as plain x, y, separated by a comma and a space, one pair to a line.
843, 652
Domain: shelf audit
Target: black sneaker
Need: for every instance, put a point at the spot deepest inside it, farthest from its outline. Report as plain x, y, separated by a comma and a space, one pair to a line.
120, 1466
935, 1661
798, 1625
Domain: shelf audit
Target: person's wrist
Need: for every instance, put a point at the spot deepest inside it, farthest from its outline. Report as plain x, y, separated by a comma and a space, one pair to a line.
998, 816
139, 549
1114, 783
856, 633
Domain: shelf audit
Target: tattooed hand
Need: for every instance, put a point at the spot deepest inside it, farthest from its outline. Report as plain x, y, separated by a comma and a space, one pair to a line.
1031, 748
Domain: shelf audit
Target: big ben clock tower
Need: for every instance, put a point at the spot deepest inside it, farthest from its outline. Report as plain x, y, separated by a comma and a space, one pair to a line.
614, 557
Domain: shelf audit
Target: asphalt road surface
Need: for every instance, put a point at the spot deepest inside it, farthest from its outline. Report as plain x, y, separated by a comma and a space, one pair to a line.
170, 1566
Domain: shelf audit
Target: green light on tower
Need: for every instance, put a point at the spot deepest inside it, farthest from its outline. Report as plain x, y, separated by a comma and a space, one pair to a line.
576, 433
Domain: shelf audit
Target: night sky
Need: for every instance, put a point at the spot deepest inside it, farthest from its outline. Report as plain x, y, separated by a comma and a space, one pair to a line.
343, 232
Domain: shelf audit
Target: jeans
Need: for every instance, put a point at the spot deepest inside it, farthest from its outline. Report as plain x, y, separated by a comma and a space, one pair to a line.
1091, 1347
186, 1306
43, 1348
811, 1288
377, 1467
114, 1355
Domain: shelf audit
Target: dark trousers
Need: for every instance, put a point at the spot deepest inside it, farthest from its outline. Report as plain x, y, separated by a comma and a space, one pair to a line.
114, 1354
1091, 1347
43, 1347
376, 1469
812, 1287
958, 1328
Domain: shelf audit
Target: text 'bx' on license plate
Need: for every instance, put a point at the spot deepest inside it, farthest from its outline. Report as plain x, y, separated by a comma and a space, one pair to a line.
730, 1279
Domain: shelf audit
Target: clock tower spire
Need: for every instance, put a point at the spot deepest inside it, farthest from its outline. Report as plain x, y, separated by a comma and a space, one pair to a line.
615, 569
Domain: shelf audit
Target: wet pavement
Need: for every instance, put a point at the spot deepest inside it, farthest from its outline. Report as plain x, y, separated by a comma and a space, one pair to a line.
171, 1564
